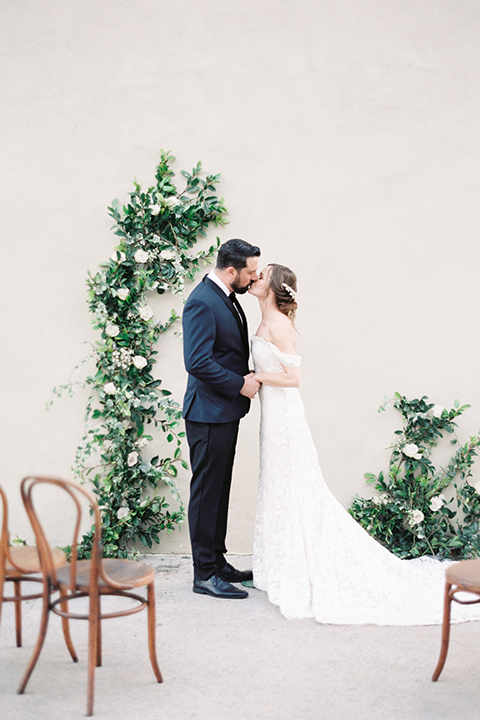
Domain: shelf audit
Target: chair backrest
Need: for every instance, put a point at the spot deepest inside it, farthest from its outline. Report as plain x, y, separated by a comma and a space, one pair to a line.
4, 527
5, 555
75, 492
3, 541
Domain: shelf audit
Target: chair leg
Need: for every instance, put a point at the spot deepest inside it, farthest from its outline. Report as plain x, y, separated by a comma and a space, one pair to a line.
152, 631
40, 640
66, 627
17, 592
92, 650
99, 634
2, 584
445, 633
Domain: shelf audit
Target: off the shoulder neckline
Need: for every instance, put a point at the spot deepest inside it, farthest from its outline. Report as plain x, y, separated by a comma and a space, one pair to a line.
258, 337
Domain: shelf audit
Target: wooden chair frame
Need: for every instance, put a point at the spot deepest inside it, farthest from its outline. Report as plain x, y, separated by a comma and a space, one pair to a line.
459, 579
22, 564
87, 578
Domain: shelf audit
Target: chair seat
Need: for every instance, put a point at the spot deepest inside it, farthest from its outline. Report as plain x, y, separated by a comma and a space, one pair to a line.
126, 572
27, 557
465, 573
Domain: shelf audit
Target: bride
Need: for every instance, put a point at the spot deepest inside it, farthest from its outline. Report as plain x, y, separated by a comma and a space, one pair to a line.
310, 556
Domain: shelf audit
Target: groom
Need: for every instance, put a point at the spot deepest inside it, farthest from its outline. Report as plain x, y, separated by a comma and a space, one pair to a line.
218, 394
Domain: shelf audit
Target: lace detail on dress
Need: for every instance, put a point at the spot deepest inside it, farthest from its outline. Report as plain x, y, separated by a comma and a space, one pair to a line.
310, 555
286, 360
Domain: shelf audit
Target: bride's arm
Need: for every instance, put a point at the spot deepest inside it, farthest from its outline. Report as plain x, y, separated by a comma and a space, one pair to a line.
290, 377
284, 338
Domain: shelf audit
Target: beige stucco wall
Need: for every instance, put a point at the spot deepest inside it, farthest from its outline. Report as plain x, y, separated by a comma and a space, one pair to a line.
346, 133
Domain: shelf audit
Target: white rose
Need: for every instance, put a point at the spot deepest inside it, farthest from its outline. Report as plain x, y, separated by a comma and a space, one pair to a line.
123, 512
141, 442
112, 330
146, 313
417, 517
172, 200
155, 209
139, 361
168, 254
110, 389
477, 487
141, 256
123, 293
120, 259
437, 411
411, 450
436, 502
132, 459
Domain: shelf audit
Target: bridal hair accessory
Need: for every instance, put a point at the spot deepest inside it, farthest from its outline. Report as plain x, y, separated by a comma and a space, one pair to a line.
290, 290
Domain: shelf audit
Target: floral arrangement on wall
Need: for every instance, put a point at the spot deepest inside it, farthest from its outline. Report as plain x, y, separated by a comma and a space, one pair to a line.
156, 231
420, 509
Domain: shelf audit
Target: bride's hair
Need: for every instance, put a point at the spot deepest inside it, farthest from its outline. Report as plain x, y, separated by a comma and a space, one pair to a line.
283, 282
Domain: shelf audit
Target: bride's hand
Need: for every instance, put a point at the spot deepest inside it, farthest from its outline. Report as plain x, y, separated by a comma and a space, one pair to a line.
250, 386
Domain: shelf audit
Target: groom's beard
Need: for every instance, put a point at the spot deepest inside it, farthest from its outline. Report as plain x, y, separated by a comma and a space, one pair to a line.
239, 289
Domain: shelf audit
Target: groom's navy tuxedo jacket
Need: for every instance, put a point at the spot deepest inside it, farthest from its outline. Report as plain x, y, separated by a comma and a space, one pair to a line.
216, 356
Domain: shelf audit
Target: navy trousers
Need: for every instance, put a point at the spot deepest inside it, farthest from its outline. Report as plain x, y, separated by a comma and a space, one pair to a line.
212, 451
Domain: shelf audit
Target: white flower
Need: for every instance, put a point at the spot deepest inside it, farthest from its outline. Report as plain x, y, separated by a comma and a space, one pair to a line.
172, 200
110, 389
168, 254
112, 330
132, 459
477, 487
120, 259
123, 512
141, 442
416, 517
155, 209
123, 293
411, 450
141, 256
139, 361
437, 411
146, 313
437, 502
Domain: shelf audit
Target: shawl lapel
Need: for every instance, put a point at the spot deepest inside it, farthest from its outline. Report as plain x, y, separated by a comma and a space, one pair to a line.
241, 326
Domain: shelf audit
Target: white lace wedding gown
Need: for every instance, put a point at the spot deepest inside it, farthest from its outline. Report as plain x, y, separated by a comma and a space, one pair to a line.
310, 556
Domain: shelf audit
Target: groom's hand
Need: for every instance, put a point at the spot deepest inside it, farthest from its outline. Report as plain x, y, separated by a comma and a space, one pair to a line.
250, 386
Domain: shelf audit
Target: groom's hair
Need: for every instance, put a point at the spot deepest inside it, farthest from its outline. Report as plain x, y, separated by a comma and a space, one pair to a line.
234, 253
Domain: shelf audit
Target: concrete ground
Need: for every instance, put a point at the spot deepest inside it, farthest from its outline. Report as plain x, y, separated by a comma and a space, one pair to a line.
242, 660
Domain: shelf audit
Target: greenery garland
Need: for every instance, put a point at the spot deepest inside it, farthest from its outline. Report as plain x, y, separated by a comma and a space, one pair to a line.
413, 514
157, 229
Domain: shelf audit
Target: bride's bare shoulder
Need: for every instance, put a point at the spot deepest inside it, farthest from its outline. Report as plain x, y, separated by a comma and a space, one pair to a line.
283, 334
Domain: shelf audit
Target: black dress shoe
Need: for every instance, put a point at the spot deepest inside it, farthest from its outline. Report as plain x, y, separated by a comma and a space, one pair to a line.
231, 574
219, 588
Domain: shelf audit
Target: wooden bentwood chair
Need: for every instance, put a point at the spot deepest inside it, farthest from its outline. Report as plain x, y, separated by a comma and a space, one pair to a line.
22, 564
461, 577
87, 578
